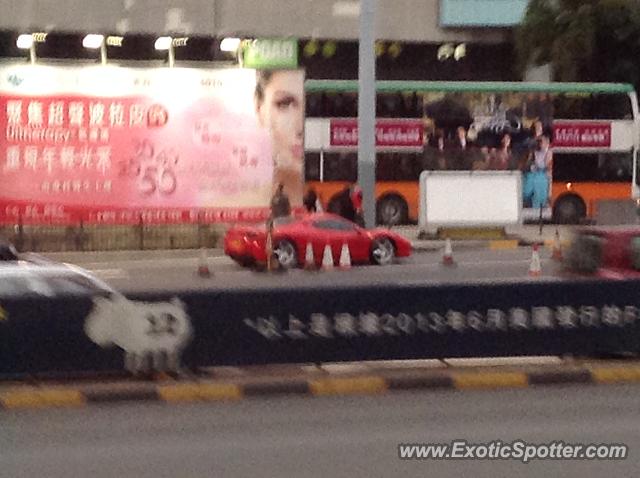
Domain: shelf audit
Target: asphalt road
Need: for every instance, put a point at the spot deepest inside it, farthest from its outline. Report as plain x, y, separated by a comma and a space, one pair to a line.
135, 274
321, 437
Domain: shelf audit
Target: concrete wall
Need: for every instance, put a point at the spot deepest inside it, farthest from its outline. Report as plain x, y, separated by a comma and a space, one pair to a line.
408, 20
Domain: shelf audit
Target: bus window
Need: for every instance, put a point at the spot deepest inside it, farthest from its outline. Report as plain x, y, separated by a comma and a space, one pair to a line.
314, 105
312, 166
390, 106
341, 167
595, 106
398, 166
412, 105
602, 167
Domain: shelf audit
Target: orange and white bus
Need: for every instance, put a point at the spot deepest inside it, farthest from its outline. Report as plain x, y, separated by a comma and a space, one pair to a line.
593, 128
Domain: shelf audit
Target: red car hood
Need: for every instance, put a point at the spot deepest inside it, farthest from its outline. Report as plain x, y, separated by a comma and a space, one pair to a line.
258, 228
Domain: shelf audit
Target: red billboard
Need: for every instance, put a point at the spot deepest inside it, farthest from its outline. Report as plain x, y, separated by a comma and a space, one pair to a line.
108, 144
389, 133
577, 134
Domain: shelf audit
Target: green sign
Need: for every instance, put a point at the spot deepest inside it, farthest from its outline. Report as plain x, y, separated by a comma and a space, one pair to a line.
271, 53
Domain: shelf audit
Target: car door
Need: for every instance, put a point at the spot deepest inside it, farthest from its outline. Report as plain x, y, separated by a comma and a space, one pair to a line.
336, 233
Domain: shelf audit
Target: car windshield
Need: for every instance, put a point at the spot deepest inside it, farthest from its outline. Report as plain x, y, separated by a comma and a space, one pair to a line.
585, 253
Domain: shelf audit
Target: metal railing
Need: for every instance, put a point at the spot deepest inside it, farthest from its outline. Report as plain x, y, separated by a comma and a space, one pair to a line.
92, 237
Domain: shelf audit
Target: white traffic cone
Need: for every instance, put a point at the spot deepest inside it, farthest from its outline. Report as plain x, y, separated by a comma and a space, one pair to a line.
447, 256
535, 269
309, 260
203, 264
556, 255
327, 258
345, 257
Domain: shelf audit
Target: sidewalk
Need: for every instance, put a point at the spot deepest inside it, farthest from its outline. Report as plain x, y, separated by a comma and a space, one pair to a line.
516, 236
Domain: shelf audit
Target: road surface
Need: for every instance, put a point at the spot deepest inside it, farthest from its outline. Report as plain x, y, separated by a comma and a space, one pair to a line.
321, 437
134, 274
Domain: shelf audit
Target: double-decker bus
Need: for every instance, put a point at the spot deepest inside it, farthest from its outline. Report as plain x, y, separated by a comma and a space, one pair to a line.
593, 129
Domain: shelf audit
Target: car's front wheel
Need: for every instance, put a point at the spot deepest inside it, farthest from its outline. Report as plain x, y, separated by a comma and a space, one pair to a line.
383, 252
286, 253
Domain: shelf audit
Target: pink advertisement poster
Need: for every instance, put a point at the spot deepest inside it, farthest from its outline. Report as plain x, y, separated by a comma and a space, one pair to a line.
117, 145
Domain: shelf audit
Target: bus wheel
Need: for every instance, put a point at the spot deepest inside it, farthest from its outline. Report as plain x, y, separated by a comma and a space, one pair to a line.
569, 210
392, 210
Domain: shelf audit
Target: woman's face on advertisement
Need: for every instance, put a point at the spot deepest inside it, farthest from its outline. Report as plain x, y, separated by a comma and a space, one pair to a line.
281, 110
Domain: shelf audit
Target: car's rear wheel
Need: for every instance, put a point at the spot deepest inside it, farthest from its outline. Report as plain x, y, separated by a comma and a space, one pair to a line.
286, 253
383, 252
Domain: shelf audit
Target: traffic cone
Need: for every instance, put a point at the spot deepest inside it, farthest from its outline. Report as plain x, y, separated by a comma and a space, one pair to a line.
535, 269
556, 255
345, 257
447, 257
327, 258
309, 260
203, 264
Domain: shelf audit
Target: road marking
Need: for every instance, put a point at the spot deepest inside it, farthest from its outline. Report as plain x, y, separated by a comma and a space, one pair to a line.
616, 374
199, 392
502, 245
36, 398
488, 380
348, 386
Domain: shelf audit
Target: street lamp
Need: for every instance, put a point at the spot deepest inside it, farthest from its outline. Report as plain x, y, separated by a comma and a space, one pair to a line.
169, 43
230, 45
27, 41
94, 41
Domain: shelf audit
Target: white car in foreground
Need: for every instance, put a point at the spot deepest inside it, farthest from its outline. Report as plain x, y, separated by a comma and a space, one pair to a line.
151, 334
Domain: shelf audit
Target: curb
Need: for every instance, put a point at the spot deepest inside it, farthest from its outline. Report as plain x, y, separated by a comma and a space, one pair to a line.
494, 244
33, 397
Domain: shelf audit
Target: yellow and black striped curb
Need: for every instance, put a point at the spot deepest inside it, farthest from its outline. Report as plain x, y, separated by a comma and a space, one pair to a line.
29, 397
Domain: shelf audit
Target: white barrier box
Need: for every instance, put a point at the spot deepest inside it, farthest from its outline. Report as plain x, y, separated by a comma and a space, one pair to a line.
470, 198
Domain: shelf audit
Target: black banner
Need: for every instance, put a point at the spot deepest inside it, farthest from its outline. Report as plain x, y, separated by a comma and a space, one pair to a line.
321, 325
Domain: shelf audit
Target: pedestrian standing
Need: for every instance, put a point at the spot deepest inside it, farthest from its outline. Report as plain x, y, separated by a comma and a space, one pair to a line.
310, 201
356, 201
280, 205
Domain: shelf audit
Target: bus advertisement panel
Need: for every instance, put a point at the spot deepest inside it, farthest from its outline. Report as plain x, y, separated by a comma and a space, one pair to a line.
111, 144
573, 143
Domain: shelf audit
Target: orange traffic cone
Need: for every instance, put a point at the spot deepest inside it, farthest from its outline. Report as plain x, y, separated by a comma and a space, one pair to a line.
203, 264
556, 255
447, 257
345, 257
535, 269
309, 260
327, 258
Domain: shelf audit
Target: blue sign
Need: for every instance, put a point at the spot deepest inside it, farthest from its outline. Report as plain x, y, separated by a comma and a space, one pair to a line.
481, 13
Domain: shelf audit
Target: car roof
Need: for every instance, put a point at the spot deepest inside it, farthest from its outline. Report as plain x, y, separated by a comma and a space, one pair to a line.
17, 268
22, 269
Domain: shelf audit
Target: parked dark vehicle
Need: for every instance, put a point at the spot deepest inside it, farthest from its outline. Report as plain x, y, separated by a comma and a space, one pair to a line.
611, 252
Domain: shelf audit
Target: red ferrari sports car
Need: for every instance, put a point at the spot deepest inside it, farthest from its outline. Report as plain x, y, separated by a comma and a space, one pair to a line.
247, 245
